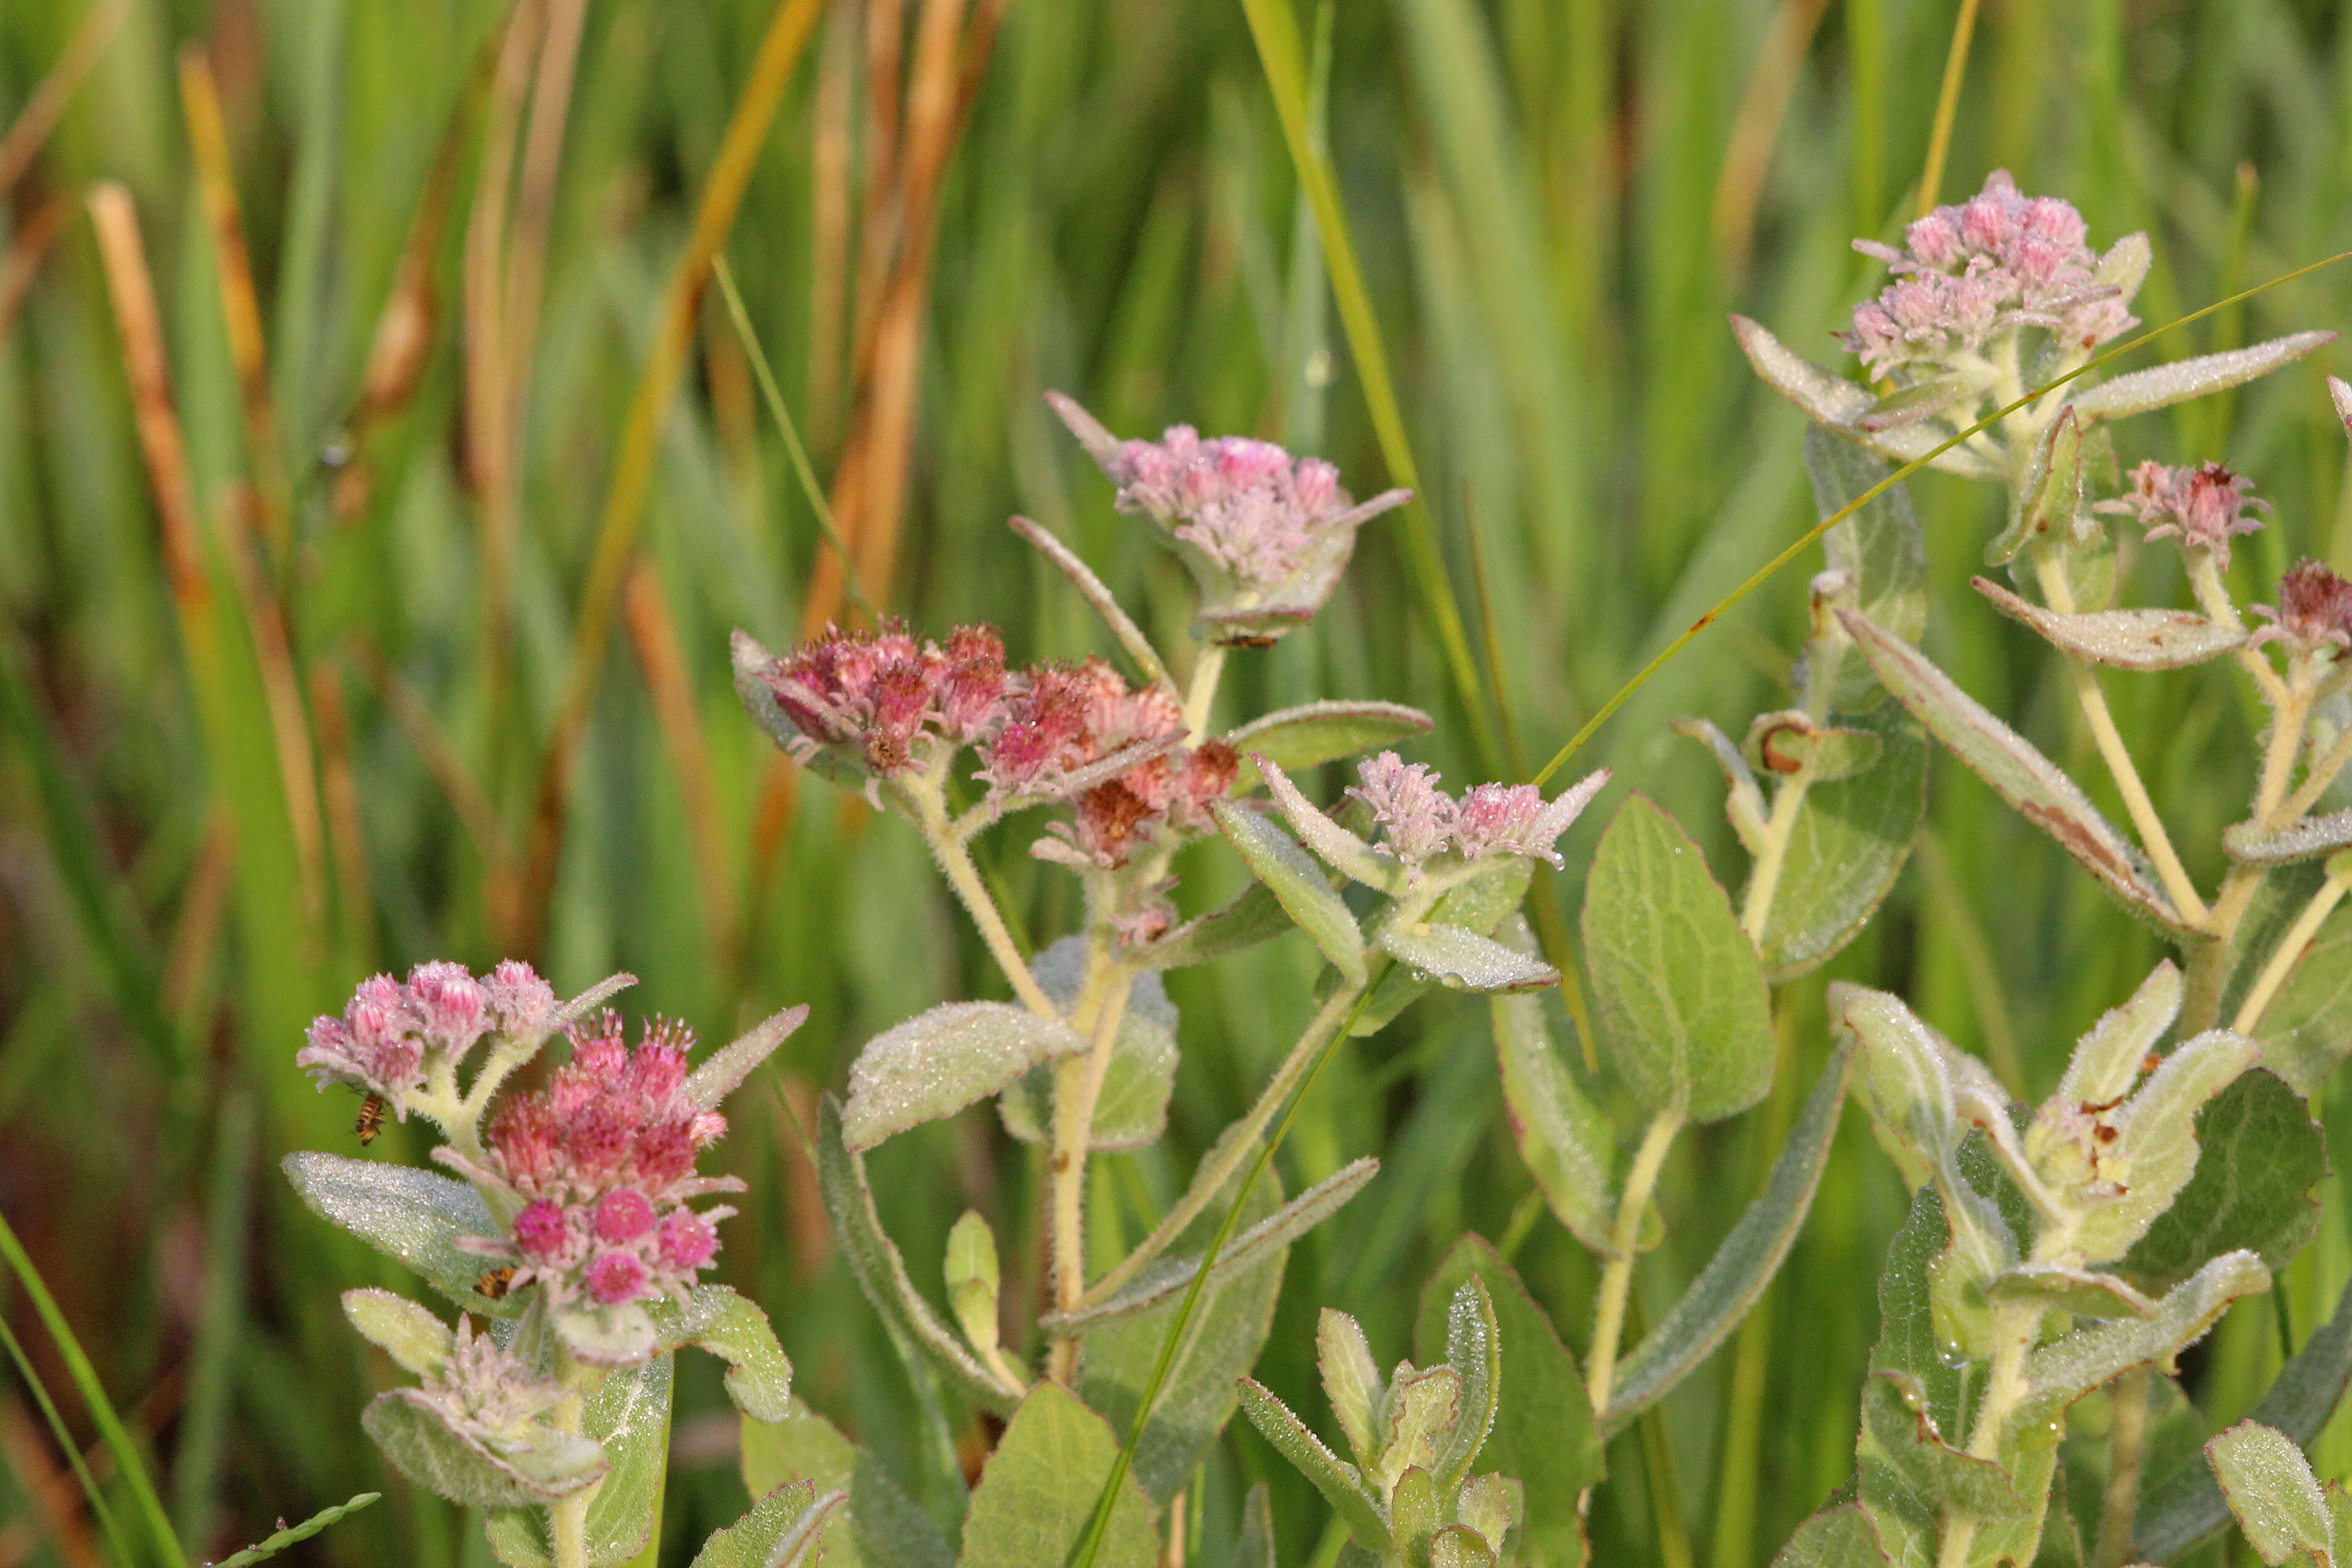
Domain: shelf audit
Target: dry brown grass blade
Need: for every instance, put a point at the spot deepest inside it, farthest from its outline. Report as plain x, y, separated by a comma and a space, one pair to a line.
346, 836
722, 195
197, 930
133, 290
829, 170
240, 306
24, 259
543, 163
410, 712
1758, 127
655, 636
869, 479
878, 225
34, 122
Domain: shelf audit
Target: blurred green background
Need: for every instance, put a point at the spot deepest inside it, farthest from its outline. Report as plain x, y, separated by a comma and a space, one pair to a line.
292, 728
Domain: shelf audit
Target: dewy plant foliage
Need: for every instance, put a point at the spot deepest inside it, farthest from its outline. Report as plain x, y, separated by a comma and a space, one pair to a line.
2053, 1252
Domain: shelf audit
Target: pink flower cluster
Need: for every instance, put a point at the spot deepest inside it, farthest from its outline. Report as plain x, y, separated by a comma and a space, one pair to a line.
1246, 505
1419, 821
1996, 261
1077, 733
2203, 508
602, 1162
2314, 611
391, 1035
888, 698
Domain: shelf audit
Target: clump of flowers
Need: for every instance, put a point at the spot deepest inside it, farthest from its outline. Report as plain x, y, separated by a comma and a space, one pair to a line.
1068, 726
1995, 263
885, 700
1265, 535
2314, 611
597, 1170
1419, 821
2204, 507
393, 1040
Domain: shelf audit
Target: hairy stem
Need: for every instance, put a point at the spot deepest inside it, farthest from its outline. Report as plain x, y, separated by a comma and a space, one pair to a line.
567, 1519
930, 810
2126, 1461
1617, 1276
1078, 1085
1200, 695
1234, 1144
2315, 784
2289, 950
1764, 881
2015, 1326
2051, 573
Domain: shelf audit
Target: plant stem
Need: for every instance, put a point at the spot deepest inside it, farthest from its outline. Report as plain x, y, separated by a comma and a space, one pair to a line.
1617, 1276
2289, 950
2126, 1461
1234, 1144
930, 813
1200, 695
1764, 881
1078, 1085
567, 1519
2015, 1326
2322, 773
2051, 573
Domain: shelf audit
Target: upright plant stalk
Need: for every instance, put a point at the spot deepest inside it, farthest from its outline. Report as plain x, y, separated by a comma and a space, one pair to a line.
1624, 1241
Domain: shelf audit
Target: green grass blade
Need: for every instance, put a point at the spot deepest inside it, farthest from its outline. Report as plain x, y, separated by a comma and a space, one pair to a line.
1283, 58
66, 1444
158, 1524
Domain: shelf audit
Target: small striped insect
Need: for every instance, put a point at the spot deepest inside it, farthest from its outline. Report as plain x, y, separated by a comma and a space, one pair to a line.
371, 1119
495, 1282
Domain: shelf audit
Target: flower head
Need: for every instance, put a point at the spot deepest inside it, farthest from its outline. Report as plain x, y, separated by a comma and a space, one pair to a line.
599, 1166
391, 1036
1997, 262
2203, 508
884, 702
1419, 821
485, 1392
1265, 535
1078, 734
2314, 611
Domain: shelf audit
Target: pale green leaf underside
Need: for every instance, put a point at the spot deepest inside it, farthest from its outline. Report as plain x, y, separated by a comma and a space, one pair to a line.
412, 1215
2272, 1492
940, 1062
1319, 731
1298, 884
2159, 386
1038, 1492
2153, 639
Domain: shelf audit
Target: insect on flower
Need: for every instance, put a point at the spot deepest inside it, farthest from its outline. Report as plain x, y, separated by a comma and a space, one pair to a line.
370, 1120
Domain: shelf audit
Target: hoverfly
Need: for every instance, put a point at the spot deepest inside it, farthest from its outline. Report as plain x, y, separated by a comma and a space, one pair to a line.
495, 1282
371, 1119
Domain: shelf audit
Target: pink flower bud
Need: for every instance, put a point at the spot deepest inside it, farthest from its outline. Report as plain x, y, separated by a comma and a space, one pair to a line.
540, 1231
688, 1242
616, 1277
449, 1006
2314, 611
1416, 818
623, 1216
519, 1002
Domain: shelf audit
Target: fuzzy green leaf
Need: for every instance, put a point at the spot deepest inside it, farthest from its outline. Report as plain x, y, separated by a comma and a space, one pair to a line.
417, 1341
2028, 780
1298, 884
2262, 1156
881, 1273
1543, 1431
783, 1528
1038, 1492
1319, 731
1131, 1110
2308, 840
1229, 1328
735, 1329
2156, 1139
1845, 849
2160, 386
1838, 1537
1337, 1480
422, 1445
1882, 554
1563, 1134
1465, 961
1838, 404
410, 1215
1914, 1482
2044, 504
1750, 1255
938, 1062
2126, 639
1677, 991
1472, 1349
2274, 1494
1253, 917
2307, 1030
2181, 1506
2060, 1373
